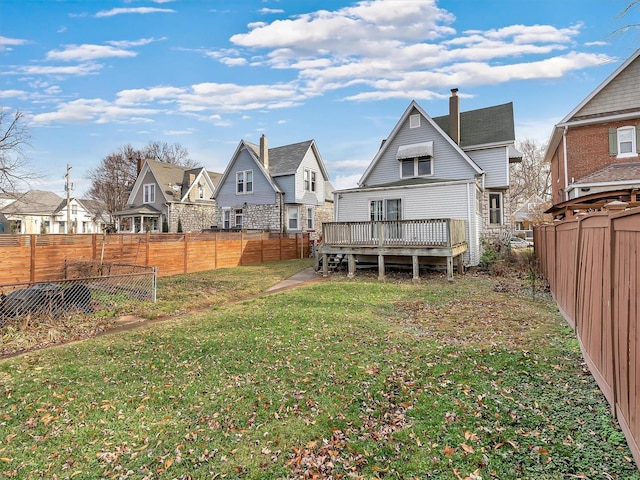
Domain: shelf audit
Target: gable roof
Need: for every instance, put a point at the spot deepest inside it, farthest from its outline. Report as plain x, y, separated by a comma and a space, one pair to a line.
385, 144
284, 160
174, 181
483, 126
34, 202
570, 119
600, 88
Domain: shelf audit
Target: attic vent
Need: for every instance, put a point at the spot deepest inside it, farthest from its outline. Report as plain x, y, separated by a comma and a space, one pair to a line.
414, 120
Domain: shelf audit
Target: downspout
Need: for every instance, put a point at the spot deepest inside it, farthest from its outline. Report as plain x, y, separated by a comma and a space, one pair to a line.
336, 210
469, 220
566, 173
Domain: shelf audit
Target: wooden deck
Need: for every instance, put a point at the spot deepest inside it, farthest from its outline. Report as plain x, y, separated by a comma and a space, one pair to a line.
402, 238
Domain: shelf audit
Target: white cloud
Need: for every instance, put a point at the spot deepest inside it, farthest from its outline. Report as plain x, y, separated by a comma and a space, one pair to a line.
400, 48
140, 10
93, 110
71, 70
343, 182
13, 94
88, 52
6, 43
270, 10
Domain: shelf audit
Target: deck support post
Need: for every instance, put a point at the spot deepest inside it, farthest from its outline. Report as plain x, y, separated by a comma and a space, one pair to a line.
450, 268
460, 265
416, 268
351, 259
380, 267
325, 267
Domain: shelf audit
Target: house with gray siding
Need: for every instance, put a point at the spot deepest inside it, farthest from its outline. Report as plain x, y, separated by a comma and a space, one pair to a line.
454, 168
166, 196
281, 189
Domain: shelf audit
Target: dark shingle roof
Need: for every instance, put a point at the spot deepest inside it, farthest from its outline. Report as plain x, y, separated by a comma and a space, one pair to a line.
285, 160
483, 126
613, 173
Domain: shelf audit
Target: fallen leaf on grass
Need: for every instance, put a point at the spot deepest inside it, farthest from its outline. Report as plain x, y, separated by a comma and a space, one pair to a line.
448, 451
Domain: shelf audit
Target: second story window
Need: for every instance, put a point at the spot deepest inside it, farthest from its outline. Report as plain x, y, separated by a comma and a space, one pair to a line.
623, 142
626, 142
149, 193
74, 209
309, 180
416, 160
244, 181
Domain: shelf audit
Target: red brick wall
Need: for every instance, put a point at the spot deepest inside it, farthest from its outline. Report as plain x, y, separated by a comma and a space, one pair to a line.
588, 148
587, 152
557, 175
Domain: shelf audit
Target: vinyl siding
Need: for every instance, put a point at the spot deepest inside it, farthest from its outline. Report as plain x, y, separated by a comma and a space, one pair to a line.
301, 196
495, 163
621, 94
263, 192
447, 162
159, 199
434, 201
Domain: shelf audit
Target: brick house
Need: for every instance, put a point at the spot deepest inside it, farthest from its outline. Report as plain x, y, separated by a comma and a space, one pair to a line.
593, 151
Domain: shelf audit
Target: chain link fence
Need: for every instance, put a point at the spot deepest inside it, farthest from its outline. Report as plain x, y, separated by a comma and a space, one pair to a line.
88, 288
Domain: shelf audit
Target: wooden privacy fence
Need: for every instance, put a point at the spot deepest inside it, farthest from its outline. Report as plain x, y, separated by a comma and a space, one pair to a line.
593, 268
36, 258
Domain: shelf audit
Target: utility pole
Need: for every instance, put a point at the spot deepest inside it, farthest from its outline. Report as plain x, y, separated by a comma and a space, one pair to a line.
67, 187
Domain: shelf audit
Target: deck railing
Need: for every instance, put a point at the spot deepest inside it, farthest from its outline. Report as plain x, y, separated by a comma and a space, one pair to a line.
434, 232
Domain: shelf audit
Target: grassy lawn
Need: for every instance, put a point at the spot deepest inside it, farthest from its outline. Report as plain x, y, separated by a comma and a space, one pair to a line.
471, 379
176, 295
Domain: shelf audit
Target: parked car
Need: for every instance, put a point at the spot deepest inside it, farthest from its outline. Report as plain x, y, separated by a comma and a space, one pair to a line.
517, 242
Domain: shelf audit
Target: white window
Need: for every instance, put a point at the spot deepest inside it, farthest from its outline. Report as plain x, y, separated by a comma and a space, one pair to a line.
226, 219
309, 180
495, 208
149, 193
627, 142
244, 181
416, 167
414, 120
389, 210
292, 217
310, 218
239, 218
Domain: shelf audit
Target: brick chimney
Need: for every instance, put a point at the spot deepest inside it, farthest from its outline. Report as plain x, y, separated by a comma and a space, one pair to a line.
139, 165
454, 116
264, 151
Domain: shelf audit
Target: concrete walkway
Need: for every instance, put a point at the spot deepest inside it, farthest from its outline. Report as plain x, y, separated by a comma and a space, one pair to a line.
308, 275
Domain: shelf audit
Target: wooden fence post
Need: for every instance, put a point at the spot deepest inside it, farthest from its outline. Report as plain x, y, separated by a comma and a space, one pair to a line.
32, 258
186, 253
610, 300
148, 237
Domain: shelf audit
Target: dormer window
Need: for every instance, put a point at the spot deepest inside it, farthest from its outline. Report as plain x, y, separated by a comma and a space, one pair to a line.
416, 160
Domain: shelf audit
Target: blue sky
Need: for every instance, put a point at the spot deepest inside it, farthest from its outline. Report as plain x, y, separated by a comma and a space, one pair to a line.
94, 76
